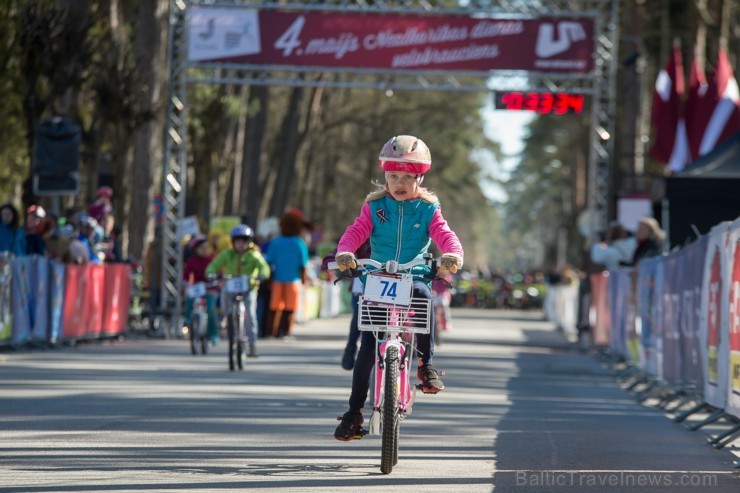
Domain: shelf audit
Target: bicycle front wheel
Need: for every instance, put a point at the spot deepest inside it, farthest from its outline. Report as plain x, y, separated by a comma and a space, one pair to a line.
389, 449
194, 329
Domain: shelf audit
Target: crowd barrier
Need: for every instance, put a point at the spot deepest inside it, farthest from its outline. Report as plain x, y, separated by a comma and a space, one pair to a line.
324, 300
42, 300
675, 317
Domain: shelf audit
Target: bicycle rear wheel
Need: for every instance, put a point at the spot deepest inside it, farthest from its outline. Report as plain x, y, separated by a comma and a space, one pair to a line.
389, 448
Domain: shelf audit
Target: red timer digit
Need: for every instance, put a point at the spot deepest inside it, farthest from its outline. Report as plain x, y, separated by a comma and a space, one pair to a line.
511, 100
543, 103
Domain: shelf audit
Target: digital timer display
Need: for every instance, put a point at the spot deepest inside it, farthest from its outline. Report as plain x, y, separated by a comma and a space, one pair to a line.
543, 103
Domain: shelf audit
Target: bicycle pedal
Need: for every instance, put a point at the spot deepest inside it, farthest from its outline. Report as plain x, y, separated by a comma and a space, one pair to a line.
425, 390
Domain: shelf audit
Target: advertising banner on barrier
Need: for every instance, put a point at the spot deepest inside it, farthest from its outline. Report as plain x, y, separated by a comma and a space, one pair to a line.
56, 302
39, 297
337, 40
96, 287
692, 371
715, 351
733, 401
117, 298
646, 300
623, 339
599, 313
76, 310
672, 278
22, 301
6, 297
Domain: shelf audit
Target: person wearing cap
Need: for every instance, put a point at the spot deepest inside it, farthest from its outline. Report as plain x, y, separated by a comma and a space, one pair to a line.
101, 206
87, 227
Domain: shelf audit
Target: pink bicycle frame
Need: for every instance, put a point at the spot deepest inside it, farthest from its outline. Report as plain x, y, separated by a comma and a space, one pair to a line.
406, 392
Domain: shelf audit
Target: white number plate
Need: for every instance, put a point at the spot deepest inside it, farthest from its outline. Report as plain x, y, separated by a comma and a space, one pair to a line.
197, 290
390, 290
237, 284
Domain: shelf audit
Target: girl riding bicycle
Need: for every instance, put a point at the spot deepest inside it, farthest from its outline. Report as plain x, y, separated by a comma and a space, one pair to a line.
400, 218
195, 271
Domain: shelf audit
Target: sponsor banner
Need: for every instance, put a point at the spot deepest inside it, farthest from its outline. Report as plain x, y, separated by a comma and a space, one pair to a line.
6, 297
672, 278
599, 312
39, 305
713, 320
96, 285
733, 402
56, 299
308, 303
223, 224
76, 308
389, 41
22, 301
644, 321
692, 371
117, 297
623, 339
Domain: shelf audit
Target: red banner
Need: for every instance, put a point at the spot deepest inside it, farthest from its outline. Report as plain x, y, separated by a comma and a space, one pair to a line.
117, 297
389, 42
75, 305
83, 301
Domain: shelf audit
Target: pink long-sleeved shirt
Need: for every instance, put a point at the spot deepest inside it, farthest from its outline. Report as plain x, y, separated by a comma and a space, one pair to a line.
439, 231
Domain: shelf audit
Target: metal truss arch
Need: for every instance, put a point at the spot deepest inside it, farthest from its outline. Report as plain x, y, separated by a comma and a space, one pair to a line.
600, 84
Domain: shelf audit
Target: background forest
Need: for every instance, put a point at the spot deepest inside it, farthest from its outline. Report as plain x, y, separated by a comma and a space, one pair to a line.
102, 63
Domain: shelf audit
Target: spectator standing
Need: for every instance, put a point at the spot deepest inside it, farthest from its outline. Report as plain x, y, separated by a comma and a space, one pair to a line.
101, 207
57, 243
617, 250
12, 236
287, 255
87, 228
35, 227
649, 239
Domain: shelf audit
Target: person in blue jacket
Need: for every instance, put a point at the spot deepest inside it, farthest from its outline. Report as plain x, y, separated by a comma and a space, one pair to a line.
12, 235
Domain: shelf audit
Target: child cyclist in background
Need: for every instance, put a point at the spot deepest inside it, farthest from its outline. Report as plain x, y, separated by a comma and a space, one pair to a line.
244, 259
400, 218
195, 271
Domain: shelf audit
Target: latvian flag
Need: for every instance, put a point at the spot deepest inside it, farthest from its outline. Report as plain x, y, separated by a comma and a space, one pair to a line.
670, 143
712, 107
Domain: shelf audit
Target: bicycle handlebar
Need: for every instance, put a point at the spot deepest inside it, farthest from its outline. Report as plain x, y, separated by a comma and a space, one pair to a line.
368, 262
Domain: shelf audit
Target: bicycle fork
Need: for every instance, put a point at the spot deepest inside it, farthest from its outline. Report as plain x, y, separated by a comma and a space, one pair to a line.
404, 390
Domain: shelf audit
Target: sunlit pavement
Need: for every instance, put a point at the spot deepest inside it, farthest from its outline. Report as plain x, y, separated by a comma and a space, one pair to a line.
522, 412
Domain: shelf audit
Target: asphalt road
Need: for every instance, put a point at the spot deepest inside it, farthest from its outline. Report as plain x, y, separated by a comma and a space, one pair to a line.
522, 412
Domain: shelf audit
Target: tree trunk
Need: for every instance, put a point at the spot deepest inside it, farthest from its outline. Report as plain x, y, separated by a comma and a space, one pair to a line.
288, 151
254, 137
149, 63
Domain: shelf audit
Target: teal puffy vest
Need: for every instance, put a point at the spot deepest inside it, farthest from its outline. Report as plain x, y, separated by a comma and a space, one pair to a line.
401, 230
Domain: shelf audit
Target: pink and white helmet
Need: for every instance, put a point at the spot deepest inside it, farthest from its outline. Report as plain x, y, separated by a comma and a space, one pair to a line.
407, 154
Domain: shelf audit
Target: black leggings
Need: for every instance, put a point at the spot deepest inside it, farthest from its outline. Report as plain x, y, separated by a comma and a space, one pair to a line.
366, 356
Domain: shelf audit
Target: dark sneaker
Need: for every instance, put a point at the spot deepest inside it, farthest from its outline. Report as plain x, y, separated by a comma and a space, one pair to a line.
350, 427
429, 378
348, 360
